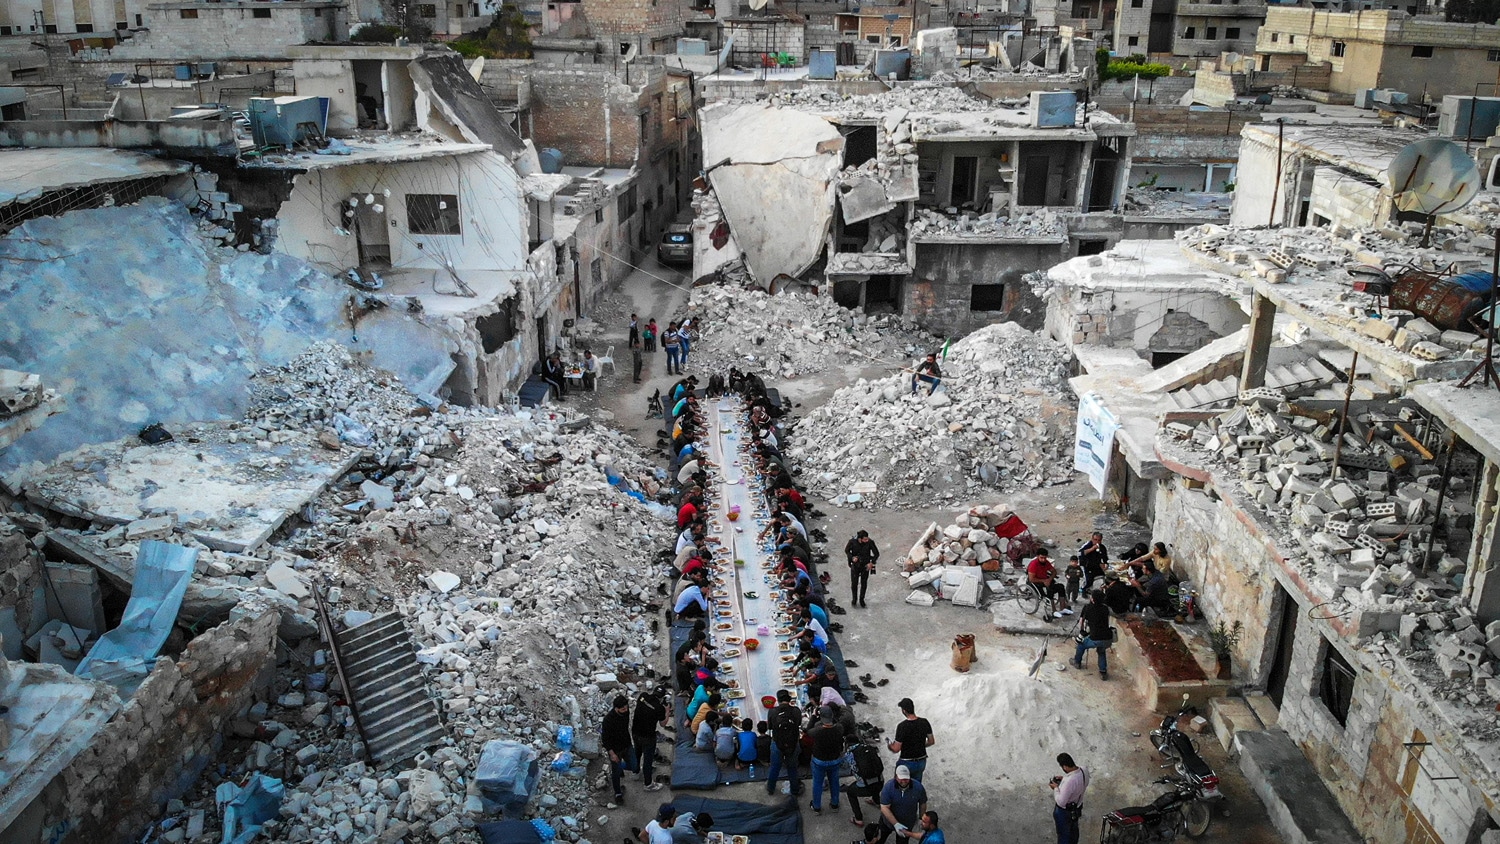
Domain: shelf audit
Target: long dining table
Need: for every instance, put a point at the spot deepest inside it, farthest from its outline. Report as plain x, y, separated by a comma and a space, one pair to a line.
745, 598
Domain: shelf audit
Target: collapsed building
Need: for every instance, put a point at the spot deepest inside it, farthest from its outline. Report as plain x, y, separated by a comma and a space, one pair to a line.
1318, 450
926, 201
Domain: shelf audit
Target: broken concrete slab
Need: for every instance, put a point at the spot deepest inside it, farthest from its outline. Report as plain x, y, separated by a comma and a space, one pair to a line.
1302, 808
229, 493
73, 595
285, 579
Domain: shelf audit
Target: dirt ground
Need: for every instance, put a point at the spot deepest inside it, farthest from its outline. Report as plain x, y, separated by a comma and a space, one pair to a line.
998, 731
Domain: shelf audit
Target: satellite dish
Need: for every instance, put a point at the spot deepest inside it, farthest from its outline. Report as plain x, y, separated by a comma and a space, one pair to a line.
1431, 177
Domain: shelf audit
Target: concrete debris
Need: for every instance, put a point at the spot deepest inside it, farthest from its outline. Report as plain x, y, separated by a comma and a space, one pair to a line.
19, 391
1001, 418
1153, 202
792, 334
476, 505
969, 540
1361, 536
1026, 225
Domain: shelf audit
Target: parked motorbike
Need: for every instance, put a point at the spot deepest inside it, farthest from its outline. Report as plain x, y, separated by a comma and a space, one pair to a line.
1163, 819
1181, 752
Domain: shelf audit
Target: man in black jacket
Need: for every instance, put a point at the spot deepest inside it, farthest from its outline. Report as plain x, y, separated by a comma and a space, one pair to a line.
1097, 633
862, 553
650, 711
786, 740
614, 738
1093, 556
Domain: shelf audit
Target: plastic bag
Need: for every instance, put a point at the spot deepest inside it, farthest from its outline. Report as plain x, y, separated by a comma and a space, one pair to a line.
562, 761
565, 738
506, 775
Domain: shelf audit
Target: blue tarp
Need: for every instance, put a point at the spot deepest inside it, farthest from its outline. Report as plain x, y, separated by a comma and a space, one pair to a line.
123, 656
252, 805
779, 824
508, 832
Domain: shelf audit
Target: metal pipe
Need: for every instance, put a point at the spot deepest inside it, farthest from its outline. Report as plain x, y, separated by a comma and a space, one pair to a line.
1338, 441
1276, 185
1442, 493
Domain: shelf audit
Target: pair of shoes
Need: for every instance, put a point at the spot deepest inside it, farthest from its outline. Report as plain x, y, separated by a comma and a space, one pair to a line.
619, 797
1057, 615
1067, 612
1103, 675
834, 806
856, 822
817, 810
1076, 664
864, 605
656, 786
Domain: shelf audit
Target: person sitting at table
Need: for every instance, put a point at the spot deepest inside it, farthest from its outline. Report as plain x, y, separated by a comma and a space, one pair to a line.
814, 612
1153, 591
701, 690
691, 602
590, 367
689, 536
812, 590
819, 643
793, 522
811, 663
1157, 556
693, 566
843, 713
736, 380
715, 387
553, 374
688, 512
828, 679
709, 707
703, 731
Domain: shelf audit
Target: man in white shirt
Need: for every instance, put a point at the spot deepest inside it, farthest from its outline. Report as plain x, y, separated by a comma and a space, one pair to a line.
691, 603
659, 831
1067, 797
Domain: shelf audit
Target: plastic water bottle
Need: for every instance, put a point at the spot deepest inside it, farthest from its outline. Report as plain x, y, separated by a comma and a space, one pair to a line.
752, 770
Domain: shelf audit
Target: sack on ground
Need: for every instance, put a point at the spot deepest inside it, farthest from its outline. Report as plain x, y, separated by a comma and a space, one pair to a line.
963, 652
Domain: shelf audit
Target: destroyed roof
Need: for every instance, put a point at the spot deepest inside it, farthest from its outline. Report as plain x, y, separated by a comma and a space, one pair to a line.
1473, 413
445, 80
544, 186
1141, 265
26, 174
1364, 149
382, 149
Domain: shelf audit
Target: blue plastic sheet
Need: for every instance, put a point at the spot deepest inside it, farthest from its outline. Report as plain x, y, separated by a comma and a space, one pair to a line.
124, 656
248, 807
506, 775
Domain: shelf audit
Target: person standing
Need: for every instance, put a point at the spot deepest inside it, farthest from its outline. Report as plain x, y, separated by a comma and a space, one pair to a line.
650, 711
902, 802
913, 737
827, 757
671, 343
862, 553
869, 778
637, 360
634, 335
786, 737
614, 737
1093, 556
648, 336
1067, 799
684, 337
1097, 633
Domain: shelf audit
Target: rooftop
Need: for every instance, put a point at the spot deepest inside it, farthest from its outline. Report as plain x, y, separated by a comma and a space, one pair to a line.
384, 149
1364, 149
28, 173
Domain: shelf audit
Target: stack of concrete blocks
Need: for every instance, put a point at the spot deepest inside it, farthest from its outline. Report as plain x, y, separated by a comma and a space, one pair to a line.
1091, 329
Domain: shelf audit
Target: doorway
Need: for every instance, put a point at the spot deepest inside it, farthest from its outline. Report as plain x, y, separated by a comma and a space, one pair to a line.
541, 338
371, 236
883, 294
1102, 184
965, 174
1034, 179
1286, 639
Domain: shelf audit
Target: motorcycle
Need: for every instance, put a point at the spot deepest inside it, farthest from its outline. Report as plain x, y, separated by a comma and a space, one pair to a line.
1181, 752
1163, 819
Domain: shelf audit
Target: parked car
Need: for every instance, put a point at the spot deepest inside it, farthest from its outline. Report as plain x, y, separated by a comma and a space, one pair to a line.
676, 246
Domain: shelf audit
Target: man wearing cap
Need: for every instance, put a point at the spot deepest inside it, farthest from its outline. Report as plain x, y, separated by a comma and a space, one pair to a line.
913, 737
902, 802
692, 828
786, 736
615, 738
862, 553
827, 757
659, 831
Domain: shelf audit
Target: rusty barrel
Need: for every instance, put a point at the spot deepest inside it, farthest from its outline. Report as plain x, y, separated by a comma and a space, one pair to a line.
1445, 302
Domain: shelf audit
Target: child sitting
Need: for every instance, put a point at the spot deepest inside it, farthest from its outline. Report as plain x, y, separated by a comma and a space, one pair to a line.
747, 751
703, 740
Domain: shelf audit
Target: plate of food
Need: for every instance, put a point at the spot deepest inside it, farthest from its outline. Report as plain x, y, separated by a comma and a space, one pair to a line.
739, 839
730, 652
783, 631
732, 640
734, 694
786, 647
715, 838
788, 658
724, 626
732, 683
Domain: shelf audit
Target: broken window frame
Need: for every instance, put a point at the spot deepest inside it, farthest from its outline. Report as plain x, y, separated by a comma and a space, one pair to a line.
987, 294
1337, 697
433, 220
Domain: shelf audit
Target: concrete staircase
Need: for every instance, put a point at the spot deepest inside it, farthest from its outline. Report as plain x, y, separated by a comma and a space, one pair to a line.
1293, 379
397, 716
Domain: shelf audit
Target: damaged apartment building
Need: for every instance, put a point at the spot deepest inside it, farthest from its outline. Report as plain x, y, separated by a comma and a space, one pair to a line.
927, 201
1305, 414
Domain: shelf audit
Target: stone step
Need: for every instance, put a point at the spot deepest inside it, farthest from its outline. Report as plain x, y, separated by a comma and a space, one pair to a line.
1301, 807
1229, 716
1264, 708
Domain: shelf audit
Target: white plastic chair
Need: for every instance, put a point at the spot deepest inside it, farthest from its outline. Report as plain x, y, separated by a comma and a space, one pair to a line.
607, 358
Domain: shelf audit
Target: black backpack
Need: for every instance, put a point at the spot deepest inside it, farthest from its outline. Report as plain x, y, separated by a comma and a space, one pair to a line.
786, 726
867, 764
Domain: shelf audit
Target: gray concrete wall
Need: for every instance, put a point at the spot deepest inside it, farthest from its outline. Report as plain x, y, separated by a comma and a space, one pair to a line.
186, 135
155, 748
938, 293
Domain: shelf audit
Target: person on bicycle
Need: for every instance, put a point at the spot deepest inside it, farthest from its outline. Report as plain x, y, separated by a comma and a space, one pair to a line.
1042, 576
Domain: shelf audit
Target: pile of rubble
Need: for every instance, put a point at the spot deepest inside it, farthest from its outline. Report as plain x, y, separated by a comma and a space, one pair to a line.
1363, 532
1026, 224
970, 540
1003, 417
517, 548
793, 334
1170, 203
917, 96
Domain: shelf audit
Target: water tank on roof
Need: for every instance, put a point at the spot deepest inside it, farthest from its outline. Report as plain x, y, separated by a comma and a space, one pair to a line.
822, 63
552, 160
